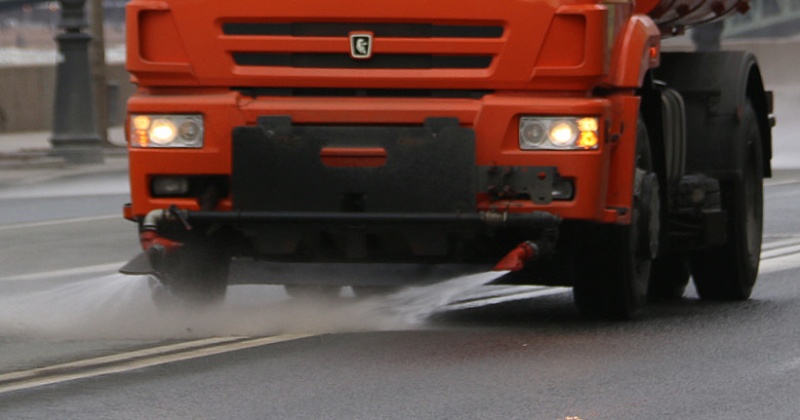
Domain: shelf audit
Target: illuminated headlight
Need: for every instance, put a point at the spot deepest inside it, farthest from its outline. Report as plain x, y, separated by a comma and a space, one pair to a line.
558, 133
166, 131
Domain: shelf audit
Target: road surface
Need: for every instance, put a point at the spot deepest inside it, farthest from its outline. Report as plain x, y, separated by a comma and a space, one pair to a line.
78, 341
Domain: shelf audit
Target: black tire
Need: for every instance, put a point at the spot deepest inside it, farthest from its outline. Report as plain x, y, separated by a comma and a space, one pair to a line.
191, 275
612, 279
312, 291
669, 276
729, 273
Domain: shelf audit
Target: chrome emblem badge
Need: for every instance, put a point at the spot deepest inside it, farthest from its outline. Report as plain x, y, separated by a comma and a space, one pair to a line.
361, 45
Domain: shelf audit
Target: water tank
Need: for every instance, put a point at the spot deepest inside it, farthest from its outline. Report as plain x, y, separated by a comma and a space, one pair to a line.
672, 16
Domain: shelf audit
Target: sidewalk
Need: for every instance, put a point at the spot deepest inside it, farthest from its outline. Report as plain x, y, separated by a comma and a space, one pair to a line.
27, 158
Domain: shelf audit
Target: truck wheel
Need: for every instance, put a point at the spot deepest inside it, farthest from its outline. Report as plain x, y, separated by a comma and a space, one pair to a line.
611, 282
729, 272
193, 275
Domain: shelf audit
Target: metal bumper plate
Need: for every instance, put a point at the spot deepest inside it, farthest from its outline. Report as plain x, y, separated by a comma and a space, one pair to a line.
277, 167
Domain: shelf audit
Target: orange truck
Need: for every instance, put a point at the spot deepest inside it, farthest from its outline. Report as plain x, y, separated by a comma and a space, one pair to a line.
291, 142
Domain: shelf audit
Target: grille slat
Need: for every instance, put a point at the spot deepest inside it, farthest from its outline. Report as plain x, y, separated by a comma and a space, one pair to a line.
386, 30
255, 92
342, 61
424, 46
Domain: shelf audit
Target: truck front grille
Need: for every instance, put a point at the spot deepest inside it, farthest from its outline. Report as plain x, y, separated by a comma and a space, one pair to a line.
396, 46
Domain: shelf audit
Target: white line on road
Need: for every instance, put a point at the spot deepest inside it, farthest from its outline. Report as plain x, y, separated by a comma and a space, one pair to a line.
780, 255
61, 222
125, 362
532, 293
92, 269
779, 263
780, 252
785, 241
781, 183
97, 361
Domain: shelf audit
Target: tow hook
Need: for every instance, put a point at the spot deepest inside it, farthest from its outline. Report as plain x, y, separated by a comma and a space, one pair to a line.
516, 259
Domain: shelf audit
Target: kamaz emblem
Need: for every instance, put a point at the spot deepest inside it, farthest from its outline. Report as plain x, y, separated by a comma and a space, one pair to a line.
361, 46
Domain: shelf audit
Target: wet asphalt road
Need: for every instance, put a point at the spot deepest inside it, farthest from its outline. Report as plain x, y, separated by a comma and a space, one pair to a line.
531, 358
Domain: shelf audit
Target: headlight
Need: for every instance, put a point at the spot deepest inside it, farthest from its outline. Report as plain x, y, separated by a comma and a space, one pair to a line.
563, 134
162, 131
167, 131
532, 134
558, 133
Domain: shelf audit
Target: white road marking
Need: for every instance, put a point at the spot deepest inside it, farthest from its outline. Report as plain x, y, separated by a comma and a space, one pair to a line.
781, 263
92, 269
786, 241
60, 222
98, 361
780, 255
531, 292
777, 256
134, 360
780, 252
782, 183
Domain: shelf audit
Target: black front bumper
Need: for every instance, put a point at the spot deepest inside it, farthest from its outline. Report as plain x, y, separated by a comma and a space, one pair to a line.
420, 202
429, 169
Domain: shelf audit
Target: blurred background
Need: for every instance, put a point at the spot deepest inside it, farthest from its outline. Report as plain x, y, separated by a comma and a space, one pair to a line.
28, 53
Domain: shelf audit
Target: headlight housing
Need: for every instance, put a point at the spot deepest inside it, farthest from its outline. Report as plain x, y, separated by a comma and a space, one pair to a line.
166, 130
558, 133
